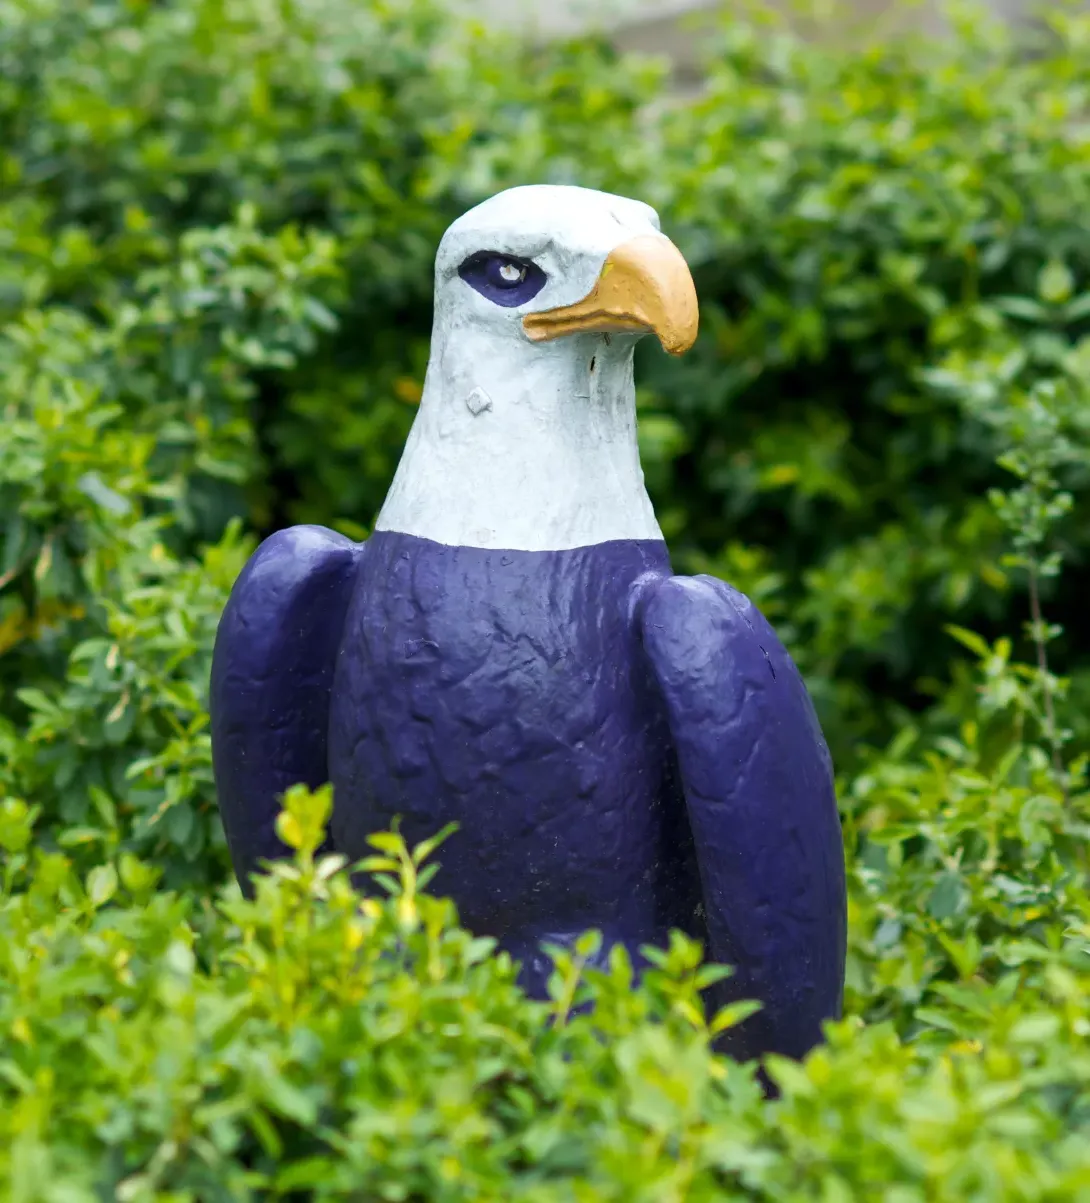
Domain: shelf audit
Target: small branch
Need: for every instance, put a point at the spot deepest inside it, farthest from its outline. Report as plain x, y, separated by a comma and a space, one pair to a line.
1046, 684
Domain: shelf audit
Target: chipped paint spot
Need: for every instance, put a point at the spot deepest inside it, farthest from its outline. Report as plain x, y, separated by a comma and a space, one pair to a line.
478, 401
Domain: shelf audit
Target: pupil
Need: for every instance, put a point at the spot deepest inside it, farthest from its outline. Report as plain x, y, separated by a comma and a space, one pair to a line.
511, 273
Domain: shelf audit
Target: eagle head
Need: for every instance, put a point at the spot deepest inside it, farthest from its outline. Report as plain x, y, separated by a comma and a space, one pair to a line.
526, 433
544, 261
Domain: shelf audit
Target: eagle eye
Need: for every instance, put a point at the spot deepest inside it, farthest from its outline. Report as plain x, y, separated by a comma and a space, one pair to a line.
503, 279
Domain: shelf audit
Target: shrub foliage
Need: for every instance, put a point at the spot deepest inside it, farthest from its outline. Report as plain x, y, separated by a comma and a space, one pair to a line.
216, 231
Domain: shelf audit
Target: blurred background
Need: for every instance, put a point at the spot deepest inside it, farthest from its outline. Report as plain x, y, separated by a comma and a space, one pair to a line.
676, 28
217, 227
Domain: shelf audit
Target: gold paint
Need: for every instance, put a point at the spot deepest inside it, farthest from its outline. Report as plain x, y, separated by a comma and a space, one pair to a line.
644, 287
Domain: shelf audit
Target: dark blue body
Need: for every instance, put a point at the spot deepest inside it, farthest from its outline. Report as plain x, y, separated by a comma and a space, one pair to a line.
622, 749
507, 691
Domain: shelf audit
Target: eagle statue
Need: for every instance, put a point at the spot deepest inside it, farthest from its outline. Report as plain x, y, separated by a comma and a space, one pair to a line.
621, 748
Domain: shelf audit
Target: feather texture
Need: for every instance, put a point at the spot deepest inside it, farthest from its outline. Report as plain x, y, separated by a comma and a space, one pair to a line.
758, 786
272, 670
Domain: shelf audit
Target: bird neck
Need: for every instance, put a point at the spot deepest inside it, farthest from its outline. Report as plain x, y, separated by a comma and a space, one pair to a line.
532, 449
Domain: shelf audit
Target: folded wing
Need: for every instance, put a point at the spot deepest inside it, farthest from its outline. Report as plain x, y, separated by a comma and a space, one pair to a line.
758, 788
272, 672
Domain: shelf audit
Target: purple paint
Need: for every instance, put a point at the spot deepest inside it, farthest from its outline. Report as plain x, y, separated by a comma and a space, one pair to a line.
582, 715
271, 674
760, 803
507, 691
504, 279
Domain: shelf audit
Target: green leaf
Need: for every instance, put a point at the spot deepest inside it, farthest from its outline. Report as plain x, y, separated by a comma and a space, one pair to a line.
733, 1014
1055, 284
101, 884
426, 847
946, 897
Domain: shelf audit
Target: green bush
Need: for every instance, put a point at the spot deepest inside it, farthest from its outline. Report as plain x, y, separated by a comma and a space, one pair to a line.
159, 1046
216, 230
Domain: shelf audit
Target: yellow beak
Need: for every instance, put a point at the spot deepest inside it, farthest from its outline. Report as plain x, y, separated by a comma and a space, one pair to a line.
644, 287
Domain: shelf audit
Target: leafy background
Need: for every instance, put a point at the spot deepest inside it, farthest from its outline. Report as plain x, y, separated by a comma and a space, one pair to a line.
217, 222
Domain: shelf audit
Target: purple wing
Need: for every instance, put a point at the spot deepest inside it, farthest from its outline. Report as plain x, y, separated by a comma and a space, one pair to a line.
272, 671
758, 785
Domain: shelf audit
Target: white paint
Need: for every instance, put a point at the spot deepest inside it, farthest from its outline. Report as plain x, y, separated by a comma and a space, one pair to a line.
478, 401
554, 463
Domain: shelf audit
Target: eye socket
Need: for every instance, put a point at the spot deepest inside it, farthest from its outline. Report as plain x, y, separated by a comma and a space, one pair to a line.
503, 279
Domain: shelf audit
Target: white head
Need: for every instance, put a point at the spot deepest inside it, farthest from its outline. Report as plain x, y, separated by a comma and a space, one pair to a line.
526, 435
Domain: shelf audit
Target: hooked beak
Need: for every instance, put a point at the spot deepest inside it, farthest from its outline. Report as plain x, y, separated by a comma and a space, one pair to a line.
644, 288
